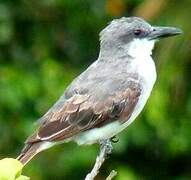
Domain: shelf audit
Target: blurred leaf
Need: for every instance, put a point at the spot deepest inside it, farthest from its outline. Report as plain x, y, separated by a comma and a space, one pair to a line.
10, 169
115, 7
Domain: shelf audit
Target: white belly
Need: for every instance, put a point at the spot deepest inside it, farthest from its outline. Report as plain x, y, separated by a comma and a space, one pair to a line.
146, 68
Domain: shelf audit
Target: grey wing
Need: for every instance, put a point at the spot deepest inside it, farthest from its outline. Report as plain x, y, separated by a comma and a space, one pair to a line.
91, 101
82, 112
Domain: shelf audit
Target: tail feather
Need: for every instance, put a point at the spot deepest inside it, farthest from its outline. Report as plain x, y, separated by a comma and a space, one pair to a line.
29, 151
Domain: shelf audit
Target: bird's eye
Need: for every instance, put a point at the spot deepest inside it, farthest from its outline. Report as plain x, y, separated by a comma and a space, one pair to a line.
137, 32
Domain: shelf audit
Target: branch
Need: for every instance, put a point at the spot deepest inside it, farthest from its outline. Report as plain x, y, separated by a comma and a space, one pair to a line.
105, 149
111, 175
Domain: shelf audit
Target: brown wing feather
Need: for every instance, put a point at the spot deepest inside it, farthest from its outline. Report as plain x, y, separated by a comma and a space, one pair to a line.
81, 113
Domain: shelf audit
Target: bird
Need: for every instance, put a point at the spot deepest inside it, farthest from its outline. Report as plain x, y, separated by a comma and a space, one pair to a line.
109, 95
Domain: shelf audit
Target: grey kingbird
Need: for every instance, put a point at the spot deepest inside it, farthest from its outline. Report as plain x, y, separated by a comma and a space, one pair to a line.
109, 94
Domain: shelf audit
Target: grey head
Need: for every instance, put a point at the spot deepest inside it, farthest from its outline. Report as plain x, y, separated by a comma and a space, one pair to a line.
121, 32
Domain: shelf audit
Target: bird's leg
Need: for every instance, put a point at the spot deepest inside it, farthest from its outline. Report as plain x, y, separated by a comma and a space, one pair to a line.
105, 149
106, 146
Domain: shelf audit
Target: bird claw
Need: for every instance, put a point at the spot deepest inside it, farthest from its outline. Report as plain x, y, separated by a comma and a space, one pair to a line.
114, 139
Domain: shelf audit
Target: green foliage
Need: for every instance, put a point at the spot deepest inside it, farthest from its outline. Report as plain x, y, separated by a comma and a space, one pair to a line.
10, 169
45, 44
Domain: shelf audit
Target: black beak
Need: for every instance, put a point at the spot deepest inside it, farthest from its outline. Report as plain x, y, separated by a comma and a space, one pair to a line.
163, 32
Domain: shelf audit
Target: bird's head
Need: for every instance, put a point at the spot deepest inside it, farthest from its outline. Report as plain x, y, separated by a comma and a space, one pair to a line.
134, 35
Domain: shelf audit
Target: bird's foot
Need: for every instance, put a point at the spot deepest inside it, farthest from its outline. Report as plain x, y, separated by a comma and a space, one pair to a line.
114, 139
106, 146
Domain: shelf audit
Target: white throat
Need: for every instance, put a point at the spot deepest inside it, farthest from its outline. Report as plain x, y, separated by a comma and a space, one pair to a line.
140, 48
